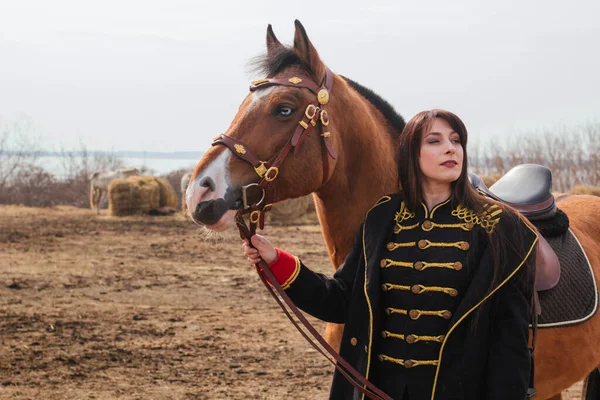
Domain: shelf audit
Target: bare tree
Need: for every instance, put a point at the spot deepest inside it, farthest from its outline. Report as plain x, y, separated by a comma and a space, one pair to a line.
18, 150
573, 154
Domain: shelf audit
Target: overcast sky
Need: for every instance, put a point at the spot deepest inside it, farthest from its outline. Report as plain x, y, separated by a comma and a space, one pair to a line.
160, 75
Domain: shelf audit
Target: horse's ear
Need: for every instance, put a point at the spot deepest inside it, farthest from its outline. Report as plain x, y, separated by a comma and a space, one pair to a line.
273, 44
307, 53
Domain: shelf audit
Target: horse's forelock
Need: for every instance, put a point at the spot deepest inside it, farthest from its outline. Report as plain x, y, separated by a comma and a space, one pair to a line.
274, 63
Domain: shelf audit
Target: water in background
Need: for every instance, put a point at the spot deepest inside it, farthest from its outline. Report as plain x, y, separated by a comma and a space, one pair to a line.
155, 166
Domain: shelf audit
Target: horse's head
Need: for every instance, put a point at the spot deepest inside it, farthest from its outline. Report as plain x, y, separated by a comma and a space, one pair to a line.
280, 138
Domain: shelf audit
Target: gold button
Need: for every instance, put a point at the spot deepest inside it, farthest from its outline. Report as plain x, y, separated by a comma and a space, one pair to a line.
453, 292
388, 311
427, 226
457, 266
416, 289
384, 334
447, 314
383, 263
384, 287
414, 314
441, 338
390, 246
464, 246
353, 341
409, 364
410, 339
469, 225
380, 357
422, 244
419, 265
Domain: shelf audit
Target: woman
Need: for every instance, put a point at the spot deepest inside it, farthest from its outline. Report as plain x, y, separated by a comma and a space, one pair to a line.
436, 292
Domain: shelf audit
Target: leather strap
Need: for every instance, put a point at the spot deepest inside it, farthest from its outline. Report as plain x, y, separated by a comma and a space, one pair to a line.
302, 82
317, 341
238, 148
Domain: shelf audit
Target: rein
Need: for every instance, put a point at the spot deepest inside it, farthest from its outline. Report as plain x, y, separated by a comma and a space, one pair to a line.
314, 114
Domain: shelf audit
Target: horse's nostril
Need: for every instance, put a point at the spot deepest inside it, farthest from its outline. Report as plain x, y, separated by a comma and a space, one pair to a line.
237, 204
208, 183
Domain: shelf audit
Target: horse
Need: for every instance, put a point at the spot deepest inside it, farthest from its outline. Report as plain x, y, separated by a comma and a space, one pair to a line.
185, 181
363, 130
99, 184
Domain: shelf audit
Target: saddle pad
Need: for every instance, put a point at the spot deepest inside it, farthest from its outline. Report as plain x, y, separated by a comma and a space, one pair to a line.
575, 298
556, 226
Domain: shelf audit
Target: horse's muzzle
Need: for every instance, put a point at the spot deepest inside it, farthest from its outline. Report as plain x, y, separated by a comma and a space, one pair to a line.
209, 212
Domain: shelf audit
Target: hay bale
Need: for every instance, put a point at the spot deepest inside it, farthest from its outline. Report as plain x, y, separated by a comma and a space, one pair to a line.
585, 189
133, 195
168, 197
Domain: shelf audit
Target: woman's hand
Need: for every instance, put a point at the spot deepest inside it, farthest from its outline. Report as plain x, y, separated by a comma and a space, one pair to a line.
262, 249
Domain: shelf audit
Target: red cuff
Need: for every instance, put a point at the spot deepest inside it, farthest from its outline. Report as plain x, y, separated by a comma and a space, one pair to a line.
285, 268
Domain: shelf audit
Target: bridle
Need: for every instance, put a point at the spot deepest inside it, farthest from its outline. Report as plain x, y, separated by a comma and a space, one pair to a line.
267, 171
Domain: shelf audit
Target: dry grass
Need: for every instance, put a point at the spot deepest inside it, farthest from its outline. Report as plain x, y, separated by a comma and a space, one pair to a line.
489, 180
573, 155
583, 189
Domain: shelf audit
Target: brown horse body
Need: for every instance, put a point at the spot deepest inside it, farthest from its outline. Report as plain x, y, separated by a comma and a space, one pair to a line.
364, 140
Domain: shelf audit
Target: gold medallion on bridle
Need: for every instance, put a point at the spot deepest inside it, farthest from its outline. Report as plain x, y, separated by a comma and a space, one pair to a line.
240, 148
323, 96
295, 80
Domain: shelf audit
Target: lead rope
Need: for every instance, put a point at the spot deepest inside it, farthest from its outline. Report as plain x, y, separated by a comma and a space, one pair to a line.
264, 271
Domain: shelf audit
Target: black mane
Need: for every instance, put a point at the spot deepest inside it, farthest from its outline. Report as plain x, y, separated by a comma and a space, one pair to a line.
388, 111
286, 57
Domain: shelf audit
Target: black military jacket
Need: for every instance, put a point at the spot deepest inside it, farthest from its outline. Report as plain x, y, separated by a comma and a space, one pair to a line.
488, 359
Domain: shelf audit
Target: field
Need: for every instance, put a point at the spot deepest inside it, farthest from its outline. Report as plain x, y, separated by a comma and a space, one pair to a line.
97, 307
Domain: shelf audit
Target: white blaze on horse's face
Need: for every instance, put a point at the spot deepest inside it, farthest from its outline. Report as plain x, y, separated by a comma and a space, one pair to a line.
259, 94
211, 184
211, 193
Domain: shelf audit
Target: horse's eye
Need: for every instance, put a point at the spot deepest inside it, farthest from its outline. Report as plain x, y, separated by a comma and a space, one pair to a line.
284, 111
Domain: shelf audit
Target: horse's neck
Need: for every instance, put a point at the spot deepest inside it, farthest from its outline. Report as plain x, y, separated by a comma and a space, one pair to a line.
365, 171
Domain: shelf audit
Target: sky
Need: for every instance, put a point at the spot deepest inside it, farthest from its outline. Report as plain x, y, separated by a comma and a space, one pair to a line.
169, 75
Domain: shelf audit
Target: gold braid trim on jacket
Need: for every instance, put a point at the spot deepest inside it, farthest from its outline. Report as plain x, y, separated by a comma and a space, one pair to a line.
487, 219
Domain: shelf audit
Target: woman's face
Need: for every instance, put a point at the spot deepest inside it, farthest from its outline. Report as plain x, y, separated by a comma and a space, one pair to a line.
441, 156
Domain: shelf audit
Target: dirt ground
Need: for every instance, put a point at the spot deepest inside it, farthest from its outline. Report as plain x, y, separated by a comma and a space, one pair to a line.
96, 307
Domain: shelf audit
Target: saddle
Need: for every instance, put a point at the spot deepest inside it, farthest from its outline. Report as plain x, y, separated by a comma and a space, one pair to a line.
528, 189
